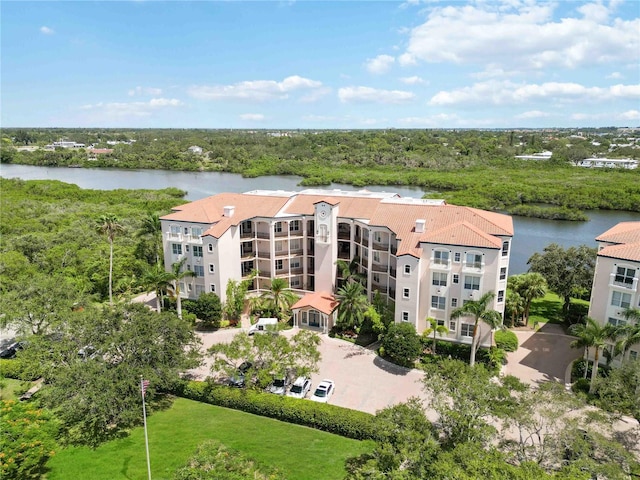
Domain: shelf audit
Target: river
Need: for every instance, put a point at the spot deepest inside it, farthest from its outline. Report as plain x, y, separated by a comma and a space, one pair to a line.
531, 234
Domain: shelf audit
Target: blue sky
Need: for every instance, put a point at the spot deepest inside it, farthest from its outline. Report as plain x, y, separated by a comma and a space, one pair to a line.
306, 64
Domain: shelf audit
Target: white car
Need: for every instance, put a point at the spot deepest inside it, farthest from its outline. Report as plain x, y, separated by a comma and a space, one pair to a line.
323, 391
279, 386
300, 388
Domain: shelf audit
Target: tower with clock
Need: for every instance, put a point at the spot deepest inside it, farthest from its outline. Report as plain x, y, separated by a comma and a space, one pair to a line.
326, 245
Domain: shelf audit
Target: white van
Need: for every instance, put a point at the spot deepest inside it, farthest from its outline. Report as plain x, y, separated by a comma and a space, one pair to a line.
261, 325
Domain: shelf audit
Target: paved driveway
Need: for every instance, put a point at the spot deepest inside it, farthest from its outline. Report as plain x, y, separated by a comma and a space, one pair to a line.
363, 380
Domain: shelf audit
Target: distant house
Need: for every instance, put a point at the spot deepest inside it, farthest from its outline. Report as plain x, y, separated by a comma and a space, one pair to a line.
536, 156
64, 144
92, 153
195, 150
627, 163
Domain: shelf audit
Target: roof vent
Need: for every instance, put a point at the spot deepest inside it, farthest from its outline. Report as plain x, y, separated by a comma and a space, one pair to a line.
228, 211
420, 225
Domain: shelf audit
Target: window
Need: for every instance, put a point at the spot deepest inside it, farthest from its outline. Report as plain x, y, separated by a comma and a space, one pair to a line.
376, 257
625, 276
212, 268
176, 248
500, 296
471, 282
279, 265
633, 355
452, 326
466, 330
295, 244
377, 237
456, 257
175, 230
474, 260
440, 322
619, 299
405, 316
376, 278
294, 226
212, 287
503, 273
199, 289
186, 248
405, 293
198, 270
407, 269
279, 246
439, 279
210, 247
616, 322
196, 231
197, 251
454, 302
295, 263
440, 257
456, 278
277, 227
439, 303
295, 282
505, 248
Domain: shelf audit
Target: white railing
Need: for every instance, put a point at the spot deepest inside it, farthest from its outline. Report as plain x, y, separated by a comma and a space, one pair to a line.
622, 282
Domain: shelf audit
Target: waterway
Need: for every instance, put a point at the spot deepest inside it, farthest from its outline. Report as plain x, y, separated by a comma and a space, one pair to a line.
531, 234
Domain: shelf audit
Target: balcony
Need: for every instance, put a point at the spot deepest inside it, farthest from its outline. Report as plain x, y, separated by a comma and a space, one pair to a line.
264, 254
394, 249
296, 271
377, 267
263, 235
624, 282
475, 267
247, 254
392, 272
283, 233
246, 234
193, 239
282, 253
296, 251
392, 293
380, 246
175, 237
440, 264
342, 235
265, 273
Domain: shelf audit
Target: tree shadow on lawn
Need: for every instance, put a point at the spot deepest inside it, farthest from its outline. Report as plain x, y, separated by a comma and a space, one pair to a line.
546, 311
389, 367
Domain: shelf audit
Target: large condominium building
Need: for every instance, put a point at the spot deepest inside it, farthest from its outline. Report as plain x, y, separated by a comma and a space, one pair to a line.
615, 283
425, 258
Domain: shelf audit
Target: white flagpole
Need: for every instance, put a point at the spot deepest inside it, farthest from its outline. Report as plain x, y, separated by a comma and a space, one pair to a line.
146, 437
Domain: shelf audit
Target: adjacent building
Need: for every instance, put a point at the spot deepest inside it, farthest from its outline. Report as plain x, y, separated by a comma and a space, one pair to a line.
424, 257
615, 283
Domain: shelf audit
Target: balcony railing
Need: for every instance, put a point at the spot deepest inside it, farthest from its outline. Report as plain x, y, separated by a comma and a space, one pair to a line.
624, 282
263, 235
296, 271
176, 237
248, 254
264, 254
441, 264
392, 272
246, 234
380, 246
377, 267
296, 251
344, 235
283, 233
392, 293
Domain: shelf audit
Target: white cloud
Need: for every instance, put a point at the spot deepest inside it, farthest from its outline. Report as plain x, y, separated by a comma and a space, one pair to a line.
46, 30
614, 76
373, 95
532, 114
147, 91
630, 115
431, 121
522, 35
253, 117
315, 95
414, 80
506, 92
255, 90
380, 64
134, 109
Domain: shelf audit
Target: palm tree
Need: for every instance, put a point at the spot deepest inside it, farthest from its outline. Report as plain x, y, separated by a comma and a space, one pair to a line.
630, 333
156, 279
352, 305
593, 335
350, 271
436, 330
108, 225
583, 341
529, 286
478, 309
152, 227
514, 306
280, 296
175, 276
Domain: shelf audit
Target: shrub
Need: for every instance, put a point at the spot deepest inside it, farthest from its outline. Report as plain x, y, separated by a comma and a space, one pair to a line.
581, 385
17, 369
401, 344
506, 340
329, 418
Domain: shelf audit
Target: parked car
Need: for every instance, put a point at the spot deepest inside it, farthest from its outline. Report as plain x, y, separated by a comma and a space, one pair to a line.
237, 380
300, 388
11, 350
279, 386
264, 325
323, 391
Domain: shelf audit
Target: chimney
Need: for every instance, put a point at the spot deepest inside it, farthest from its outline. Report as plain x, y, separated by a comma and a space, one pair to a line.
228, 211
420, 225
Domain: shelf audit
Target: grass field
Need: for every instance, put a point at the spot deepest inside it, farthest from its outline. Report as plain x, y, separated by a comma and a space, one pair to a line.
7, 392
549, 309
298, 452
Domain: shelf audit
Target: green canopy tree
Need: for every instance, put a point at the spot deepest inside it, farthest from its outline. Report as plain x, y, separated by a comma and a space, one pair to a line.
352, 305
529, 286
109, 226
479, 310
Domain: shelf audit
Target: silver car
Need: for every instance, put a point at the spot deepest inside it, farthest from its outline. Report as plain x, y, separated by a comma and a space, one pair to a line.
300, 388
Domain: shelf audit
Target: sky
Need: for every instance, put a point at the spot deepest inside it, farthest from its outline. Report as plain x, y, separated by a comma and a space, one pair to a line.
320, 64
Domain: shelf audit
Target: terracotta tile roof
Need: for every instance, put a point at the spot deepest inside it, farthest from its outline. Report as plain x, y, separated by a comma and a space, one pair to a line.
623, 232
348, 207
463, 234
210, 210
626, 239
322, 301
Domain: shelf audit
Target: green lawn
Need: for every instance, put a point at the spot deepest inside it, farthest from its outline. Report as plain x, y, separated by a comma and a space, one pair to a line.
549, 309
298, 452
7, 392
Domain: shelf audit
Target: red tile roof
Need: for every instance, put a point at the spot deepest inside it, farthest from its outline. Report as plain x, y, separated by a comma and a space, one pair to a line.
625, 237
322, 301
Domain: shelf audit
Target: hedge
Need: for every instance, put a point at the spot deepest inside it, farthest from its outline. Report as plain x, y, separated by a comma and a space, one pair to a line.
15, 368
329, 418
506, 340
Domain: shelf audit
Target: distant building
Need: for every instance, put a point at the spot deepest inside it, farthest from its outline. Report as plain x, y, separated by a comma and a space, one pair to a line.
536, 156
92, 153
423, 257
64, 144
195, 150
627, 163
617, 272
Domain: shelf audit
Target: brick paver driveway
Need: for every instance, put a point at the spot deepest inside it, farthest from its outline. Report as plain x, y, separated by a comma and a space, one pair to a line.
363, 380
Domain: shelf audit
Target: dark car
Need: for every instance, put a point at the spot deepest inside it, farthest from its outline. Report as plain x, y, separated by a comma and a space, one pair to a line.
237, 380
11, 350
